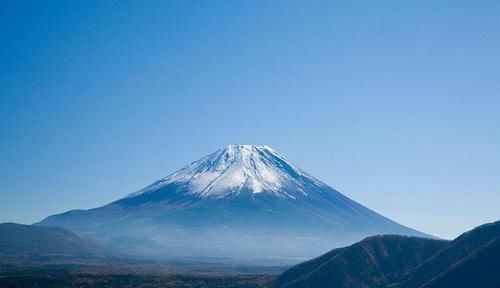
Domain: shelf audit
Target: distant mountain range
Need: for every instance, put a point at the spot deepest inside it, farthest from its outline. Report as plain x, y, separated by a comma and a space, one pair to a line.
390, 261
26, 243
384, 261
241, 203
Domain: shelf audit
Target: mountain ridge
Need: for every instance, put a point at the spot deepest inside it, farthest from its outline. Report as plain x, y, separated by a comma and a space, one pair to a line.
28, 243
376, 261
389, 261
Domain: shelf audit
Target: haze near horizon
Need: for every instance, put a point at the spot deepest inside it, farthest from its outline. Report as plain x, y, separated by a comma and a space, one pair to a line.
393, 104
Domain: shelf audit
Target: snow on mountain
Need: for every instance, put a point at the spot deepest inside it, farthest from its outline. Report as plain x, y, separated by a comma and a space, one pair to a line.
235, 168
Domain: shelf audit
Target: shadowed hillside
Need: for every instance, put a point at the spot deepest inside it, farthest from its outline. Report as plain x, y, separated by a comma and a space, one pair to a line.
374, 262
471, 260
20, 243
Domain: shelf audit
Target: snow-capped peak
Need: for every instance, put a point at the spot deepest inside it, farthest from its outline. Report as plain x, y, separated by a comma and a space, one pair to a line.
233, 169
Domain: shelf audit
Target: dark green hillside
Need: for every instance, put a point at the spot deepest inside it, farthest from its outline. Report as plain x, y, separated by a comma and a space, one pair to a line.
26, 242
374, 262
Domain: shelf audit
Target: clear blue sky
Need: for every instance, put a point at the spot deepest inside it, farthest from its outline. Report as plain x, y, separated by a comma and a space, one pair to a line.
394, 103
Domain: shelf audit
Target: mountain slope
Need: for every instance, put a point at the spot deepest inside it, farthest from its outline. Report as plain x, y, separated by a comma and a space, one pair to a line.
469, 260
377, 261
240, 202
478, 269
25, 242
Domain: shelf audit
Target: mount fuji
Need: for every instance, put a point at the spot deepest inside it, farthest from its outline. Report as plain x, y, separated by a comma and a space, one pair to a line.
242, 203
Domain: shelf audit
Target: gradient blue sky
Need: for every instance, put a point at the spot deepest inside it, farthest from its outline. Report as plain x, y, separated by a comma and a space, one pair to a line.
394, 103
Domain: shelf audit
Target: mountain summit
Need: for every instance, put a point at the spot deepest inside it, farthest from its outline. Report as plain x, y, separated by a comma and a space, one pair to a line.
235, 169
241, 203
